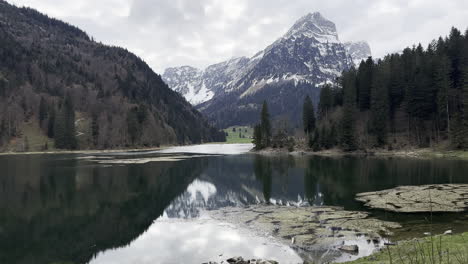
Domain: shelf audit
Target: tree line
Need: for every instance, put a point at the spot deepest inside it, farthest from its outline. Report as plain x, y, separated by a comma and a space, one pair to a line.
57, 82
416, 98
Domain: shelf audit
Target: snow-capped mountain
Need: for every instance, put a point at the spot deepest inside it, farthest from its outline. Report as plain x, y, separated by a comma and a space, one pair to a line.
359, 51
198, 86
309, 55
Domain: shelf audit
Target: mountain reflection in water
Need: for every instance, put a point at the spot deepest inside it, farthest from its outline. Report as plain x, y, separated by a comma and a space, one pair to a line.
70, 207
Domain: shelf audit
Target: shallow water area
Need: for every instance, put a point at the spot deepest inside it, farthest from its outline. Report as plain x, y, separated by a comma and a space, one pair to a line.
197, 241
155, 206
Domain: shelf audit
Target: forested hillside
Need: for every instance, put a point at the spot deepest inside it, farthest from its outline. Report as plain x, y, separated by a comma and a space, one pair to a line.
60, 87
418, 98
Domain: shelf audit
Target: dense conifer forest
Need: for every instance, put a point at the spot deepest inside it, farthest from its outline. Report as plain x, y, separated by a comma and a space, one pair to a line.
418, 98
59, 88
414, 99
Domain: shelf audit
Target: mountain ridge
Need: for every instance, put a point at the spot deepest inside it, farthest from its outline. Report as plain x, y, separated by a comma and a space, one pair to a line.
309, 53
47, 65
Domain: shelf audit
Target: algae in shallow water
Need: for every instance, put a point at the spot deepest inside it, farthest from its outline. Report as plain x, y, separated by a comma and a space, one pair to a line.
417, 199
318, 231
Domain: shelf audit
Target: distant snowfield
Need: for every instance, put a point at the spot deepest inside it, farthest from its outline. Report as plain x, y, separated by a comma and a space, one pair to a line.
223, 149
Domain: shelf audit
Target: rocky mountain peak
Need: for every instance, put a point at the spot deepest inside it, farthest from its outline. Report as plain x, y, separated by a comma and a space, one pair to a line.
314, 25
358, 50
299, 63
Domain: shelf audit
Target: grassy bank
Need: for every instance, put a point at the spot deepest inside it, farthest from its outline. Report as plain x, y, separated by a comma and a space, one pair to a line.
239, 134
441, 249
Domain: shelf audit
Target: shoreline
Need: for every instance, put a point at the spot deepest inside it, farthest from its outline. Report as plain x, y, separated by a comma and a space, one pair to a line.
423, 153
84, 151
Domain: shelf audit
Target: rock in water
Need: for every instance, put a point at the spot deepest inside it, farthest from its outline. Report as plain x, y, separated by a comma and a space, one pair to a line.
354, 249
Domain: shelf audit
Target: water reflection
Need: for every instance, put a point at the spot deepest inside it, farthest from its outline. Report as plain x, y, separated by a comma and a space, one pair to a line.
197, 241
69, 208
58, 208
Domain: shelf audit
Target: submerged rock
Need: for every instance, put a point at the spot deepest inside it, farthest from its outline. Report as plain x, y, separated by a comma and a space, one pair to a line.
353, 249
240, 260
416, 199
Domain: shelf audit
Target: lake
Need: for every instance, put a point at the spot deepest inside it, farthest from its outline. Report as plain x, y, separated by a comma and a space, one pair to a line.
150, 207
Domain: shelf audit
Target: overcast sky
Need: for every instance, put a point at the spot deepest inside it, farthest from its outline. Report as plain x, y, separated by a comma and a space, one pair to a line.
169, 33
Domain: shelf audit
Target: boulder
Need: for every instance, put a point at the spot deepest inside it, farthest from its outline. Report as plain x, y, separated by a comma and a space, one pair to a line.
353, 249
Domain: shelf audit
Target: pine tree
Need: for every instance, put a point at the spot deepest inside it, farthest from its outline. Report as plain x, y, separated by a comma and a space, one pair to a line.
308, 115
51, 122
257, 137
64, 126
442, 85
132, 125
262, 131
326, 101
95, 129
70, 132
59, 129
379, 107
265, 125
464, 123
42, 110
364, 83
348, 133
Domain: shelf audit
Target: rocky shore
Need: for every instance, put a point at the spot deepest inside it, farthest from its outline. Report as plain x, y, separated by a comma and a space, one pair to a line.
423, 153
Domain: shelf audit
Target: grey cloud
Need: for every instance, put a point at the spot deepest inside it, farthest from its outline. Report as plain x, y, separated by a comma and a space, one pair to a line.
185, 32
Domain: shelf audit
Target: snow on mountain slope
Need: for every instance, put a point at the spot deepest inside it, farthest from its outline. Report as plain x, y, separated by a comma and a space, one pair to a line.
310, 53
198, 86
359, 51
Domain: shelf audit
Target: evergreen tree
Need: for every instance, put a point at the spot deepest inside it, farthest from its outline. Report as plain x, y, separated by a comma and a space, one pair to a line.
379, 106
420, 93
348, 133
262, 131
265, 125
64, 126
314, 140
326, 101
133, 125
257, 137
364, 83
308, 115
70, 123
464, 123
396, 87
95, 129
442, 85
43, 111
51, 122
59, 129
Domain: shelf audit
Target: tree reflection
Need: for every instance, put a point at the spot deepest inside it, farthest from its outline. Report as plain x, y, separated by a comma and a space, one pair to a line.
60, 209
263, 172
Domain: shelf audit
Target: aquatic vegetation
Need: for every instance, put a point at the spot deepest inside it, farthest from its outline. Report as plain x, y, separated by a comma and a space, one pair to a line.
423, 198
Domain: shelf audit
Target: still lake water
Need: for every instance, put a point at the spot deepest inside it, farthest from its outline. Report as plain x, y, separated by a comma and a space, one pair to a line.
148, 207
